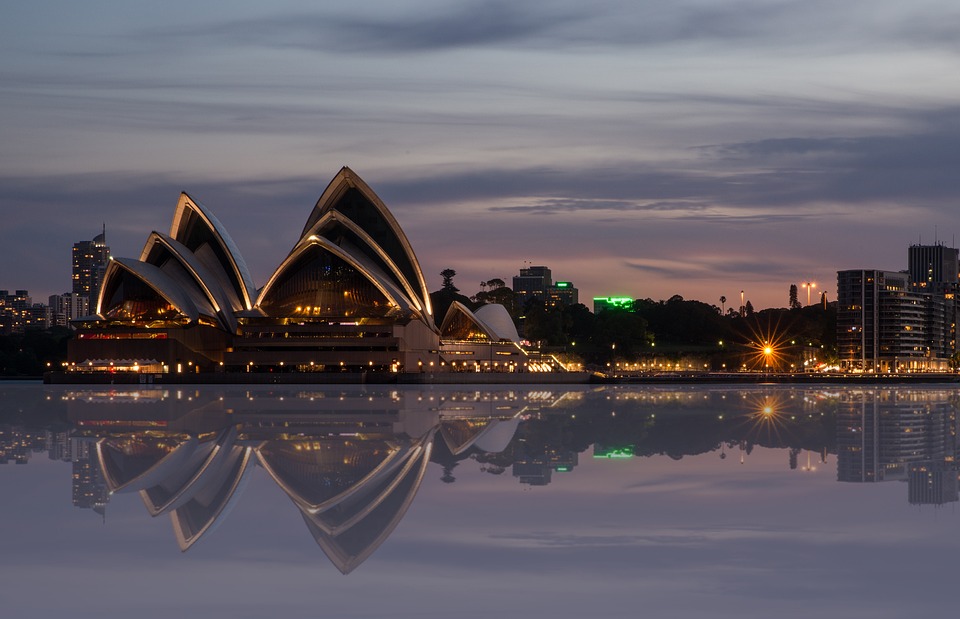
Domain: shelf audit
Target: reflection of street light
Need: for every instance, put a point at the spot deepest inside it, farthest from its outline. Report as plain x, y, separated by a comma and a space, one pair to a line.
808, 286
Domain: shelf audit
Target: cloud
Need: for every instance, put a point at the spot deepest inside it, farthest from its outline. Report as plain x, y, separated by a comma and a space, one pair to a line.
467, 25
813, 26
569, 205
913, 166
703, 268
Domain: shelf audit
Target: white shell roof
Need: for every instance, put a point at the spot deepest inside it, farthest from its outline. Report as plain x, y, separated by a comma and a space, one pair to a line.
498, 319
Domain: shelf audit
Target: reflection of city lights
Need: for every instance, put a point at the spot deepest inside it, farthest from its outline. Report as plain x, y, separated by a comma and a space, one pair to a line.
768, 416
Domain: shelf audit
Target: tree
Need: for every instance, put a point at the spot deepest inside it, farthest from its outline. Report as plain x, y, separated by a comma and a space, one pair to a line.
501, 295
442, 299
448, 275
723, 301
748, 309
794, 301
544, 324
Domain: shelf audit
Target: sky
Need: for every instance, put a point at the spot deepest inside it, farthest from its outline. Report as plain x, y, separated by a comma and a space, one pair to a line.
685, 147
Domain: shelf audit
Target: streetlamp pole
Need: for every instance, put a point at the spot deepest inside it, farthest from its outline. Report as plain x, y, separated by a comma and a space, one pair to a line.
808, 286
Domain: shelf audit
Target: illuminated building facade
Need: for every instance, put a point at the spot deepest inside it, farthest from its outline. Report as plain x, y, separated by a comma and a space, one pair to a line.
935, 271
90, 259
884, 324
349, 297
18, 313
562, 294
605, 303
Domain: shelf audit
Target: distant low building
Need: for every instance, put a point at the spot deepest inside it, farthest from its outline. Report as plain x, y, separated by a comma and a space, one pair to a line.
66, 307
562, 294
18, 313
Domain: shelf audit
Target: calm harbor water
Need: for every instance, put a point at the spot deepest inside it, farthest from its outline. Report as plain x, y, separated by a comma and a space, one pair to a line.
667, 501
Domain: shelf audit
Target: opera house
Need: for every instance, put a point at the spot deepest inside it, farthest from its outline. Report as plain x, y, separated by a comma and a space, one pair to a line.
349, 298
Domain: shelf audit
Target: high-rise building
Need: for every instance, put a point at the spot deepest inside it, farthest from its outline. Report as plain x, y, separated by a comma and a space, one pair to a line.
885, 324
537, 283
532, 283
880, 323
934, 271
933, 266
90, 260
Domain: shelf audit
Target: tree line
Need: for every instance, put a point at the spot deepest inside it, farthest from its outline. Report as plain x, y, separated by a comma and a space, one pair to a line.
672, 327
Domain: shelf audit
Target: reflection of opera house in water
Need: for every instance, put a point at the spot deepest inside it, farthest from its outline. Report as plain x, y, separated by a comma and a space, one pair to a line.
349, 298
351, 464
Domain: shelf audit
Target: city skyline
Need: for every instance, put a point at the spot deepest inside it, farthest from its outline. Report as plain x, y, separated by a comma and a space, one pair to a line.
673, 148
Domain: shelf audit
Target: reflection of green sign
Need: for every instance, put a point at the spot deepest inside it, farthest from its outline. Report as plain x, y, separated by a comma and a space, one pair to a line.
563, 469
600, 451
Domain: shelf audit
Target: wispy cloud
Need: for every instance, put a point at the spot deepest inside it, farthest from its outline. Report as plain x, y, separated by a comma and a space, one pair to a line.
816, 26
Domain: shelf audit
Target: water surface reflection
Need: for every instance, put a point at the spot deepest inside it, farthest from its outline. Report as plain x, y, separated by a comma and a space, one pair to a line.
351, 461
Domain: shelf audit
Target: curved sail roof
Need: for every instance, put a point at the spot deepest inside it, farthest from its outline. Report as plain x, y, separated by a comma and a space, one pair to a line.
351, 246
498, 318
179, 262
353, 198
489, 323
393, 296
462, 324
191, 306
339, 229
202, 233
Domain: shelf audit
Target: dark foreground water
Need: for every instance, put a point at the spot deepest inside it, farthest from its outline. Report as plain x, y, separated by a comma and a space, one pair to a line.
442, 502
